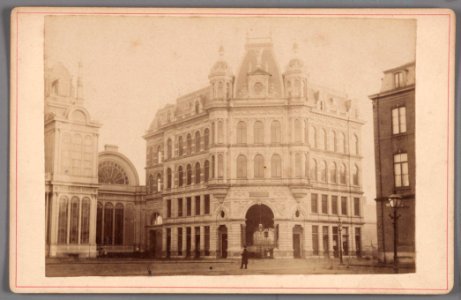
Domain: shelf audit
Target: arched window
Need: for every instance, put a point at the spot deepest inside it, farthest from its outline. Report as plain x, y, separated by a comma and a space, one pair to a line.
118, 230
76, 155
220, 131
312, 137
88, 156
341, 143
99, 212
298, 165
169, 149
213, 133
109, 172
169, 178
306, 166
206, 171
189, 175
332, 172
276, 166
241, 133
259, 132
322, 139
313, 169
355, 175
85, 219
332, 141
355, 145
213, 164
159, 154
189, 144
159, 183
206, 139
241, 166
150, 184
220, 166
342, 174
306, 132
197, 107
156, 219
197, 142
180, 176
74, 216
62, 221
298, 131
108, 223
259, 166
180, 146
276, 132
323, 171
197, 173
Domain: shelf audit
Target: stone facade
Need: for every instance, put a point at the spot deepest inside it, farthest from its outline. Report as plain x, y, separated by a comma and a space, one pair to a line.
394, 128
262, 142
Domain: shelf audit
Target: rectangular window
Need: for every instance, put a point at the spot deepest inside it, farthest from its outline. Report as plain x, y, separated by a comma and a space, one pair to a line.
326, 241
168, 208
168, 242
334, 205
356, 206
324, 204
315, 240
344, 205
197, 241
189, 206
401, 177
197, 205
399, 120
207, 240
335, 241
188, 241
180, 241
179, 207
358, 242
314, 203
207, 204
345, 240
398, 80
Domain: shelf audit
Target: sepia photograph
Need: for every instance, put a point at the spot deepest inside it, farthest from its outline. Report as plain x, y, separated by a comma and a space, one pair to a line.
173, 146
232, 151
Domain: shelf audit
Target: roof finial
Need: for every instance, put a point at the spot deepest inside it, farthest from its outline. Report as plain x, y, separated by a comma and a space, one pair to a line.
221, 51
295, 48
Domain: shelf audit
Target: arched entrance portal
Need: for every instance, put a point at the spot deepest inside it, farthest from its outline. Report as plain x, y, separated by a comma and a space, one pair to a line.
260, 235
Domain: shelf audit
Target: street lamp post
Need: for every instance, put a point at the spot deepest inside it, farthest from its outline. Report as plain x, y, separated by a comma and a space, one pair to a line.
395, 202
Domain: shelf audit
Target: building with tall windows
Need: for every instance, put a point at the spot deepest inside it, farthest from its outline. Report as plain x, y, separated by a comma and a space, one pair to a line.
259, 158
394, 135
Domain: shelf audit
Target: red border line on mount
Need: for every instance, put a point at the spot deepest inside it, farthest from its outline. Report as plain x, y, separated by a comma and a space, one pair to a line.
227, 14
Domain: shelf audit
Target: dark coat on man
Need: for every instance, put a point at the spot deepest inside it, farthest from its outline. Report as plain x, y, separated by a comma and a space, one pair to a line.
244, 258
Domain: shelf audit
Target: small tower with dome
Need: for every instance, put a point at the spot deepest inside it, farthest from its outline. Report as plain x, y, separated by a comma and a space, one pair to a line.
295, 78
221, 79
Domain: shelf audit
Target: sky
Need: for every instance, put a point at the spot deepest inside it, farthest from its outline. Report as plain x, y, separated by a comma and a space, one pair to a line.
131, 66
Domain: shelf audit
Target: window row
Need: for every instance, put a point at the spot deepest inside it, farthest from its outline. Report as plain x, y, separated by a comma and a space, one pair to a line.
74, 220
188, 206
336, 205
189, 145
340, 238
109, 224
318, 138
188, 241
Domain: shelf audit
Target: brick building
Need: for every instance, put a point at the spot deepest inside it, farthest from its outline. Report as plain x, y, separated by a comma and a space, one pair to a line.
394, 131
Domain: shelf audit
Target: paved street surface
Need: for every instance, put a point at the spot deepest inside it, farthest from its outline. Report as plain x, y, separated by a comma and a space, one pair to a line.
140, 267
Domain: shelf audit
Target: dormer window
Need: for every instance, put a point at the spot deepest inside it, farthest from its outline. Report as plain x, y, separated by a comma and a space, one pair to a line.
399, 79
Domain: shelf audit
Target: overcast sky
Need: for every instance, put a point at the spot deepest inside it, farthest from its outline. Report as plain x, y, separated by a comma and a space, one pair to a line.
132, 66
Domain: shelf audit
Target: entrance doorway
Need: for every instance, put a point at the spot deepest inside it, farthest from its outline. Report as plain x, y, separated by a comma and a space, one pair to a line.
154, 243
260, 236
297, 241
222, 240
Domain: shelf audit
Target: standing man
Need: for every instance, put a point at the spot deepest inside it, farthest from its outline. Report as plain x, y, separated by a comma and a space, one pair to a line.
244, 258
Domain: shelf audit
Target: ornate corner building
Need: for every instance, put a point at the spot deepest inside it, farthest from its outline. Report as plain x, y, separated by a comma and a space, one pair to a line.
394, 135
262, 159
